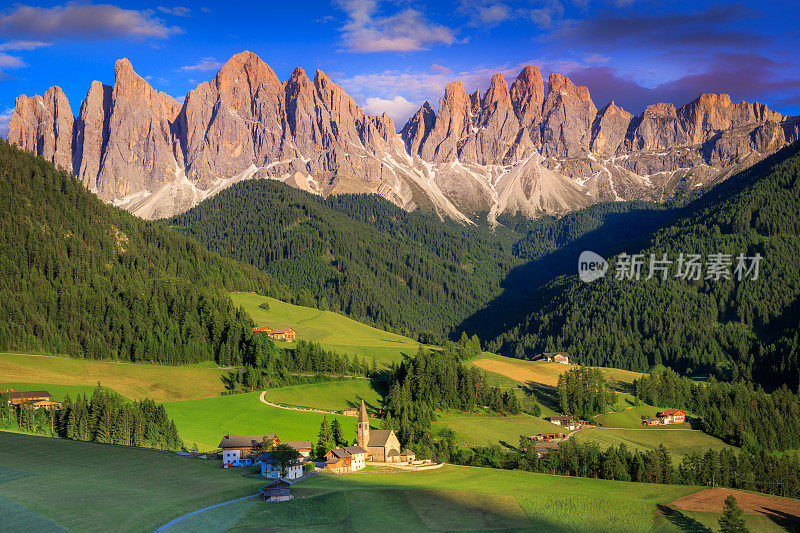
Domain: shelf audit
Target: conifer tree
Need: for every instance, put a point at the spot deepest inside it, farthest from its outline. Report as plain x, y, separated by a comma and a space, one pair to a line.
336, 432
732, 519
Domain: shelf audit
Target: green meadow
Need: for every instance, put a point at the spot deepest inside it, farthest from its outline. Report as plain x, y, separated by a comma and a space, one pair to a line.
56, 485
543, 372
83, 486
632, 418
485, 428
204, 422
328, 395
141, 380
464, 498
58, 392
677, 442
331, 330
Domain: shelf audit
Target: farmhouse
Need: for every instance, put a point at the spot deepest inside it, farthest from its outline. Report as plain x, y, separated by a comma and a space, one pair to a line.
283, 334
303, 447
38, 399
242, 450
672, 416
381, 444
279, 334
350, 411
277, 491
556, 357
565, 421
271, 469
347, 459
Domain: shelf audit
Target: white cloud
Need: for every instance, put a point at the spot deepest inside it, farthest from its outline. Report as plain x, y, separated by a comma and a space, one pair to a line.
597, 59
545, 16
405, 31
5, 118
494, 13
418, 86
205, 64
83, 22
7, 61
398, 108
17, 46
178, 11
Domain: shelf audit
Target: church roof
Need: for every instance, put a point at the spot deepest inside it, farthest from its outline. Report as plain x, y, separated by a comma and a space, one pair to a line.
355, 450
362, 414
407, 452
378, 437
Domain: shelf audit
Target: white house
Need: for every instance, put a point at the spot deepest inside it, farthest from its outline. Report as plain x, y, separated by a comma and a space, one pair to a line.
565, 421
241, 450
271, 470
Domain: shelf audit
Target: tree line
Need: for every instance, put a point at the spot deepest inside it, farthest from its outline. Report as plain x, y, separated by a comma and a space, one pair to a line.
357, 254
584, 392
737, 413
761, 471
85, 279
265, 365
104, 417
434, 380
729, 328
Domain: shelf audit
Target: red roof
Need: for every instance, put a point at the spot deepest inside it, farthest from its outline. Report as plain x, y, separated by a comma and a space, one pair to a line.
673, 412
263, 328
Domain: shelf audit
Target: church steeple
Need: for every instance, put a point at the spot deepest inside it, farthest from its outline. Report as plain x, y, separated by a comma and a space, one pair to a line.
363, 426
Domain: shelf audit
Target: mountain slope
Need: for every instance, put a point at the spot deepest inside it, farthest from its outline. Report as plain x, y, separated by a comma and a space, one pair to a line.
82, 278
509, 150
357, 254
736, 328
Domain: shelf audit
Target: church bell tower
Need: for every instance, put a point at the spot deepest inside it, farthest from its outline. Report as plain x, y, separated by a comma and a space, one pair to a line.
363, 426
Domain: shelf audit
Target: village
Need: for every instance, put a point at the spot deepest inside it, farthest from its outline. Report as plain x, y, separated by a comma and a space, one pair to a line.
287, 462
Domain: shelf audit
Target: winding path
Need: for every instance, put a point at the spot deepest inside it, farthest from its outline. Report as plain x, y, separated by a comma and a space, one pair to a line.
173, 522
264, 400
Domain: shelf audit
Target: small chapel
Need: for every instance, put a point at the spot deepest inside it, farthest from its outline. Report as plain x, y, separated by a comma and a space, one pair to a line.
381, 444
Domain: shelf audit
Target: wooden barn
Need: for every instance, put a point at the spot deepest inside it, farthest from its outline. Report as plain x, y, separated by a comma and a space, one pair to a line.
277, 491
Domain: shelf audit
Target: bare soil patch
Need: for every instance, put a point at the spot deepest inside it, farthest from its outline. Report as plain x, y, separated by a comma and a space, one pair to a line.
713, 501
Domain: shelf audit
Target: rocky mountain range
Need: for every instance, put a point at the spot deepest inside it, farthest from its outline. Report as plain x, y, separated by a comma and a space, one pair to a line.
529, 148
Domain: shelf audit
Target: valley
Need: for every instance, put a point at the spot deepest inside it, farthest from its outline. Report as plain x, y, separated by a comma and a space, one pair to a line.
386, 327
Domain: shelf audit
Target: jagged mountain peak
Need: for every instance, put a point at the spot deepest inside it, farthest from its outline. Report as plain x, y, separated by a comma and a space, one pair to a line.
508, 149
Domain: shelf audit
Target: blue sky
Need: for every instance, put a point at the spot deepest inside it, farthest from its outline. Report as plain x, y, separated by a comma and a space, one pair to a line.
392, 56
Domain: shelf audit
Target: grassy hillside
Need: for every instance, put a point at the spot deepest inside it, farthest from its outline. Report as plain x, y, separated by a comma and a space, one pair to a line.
331, 330
94, 487
58, 391
82, 278
83, 486
159, 382
357, 254
328, 395
485, 429
543, 372
632, 418
726, 327
206, 421
677, 442
462, 498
